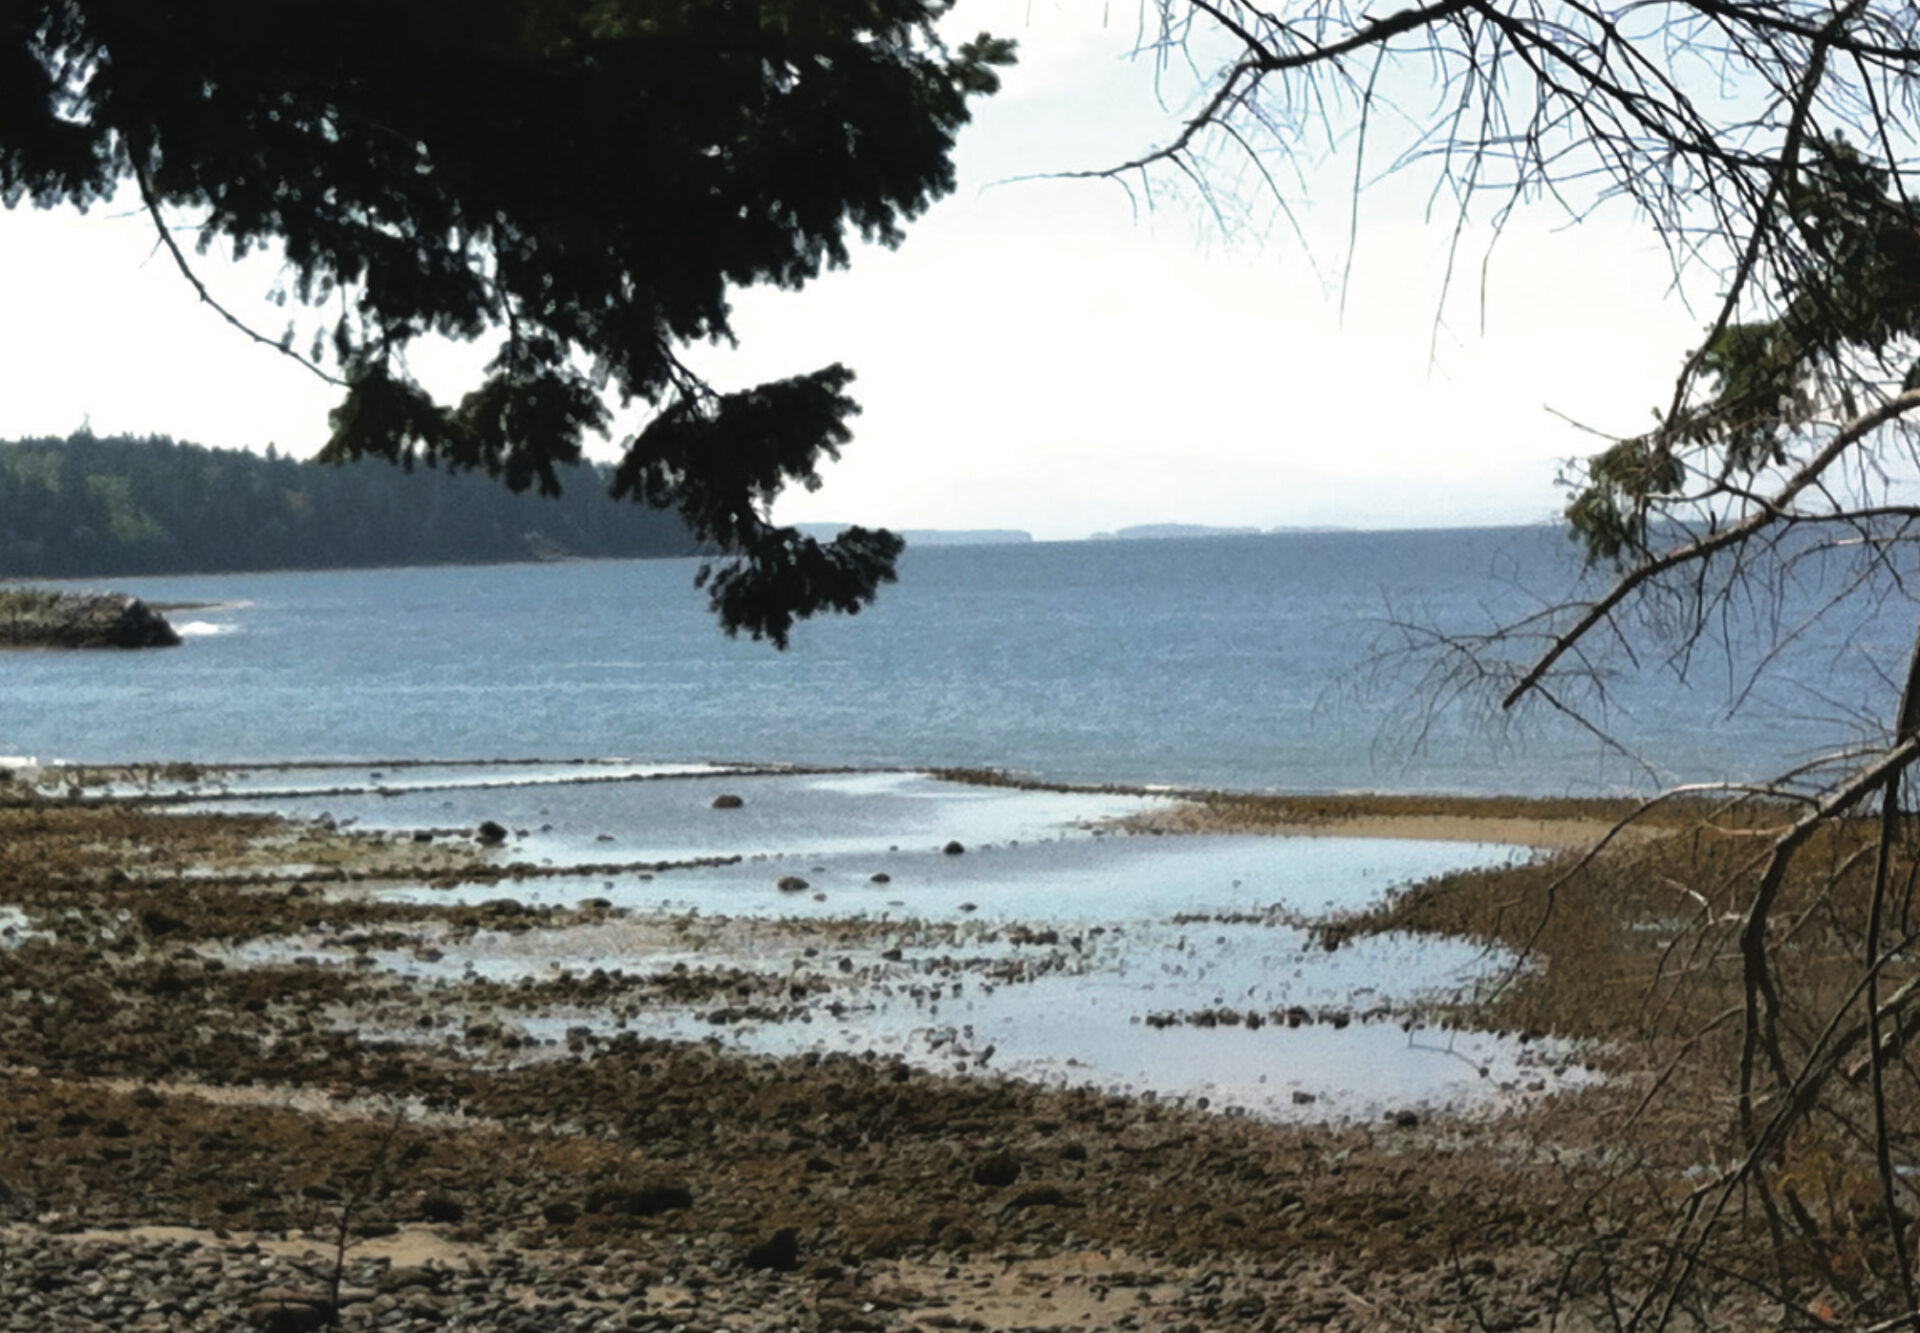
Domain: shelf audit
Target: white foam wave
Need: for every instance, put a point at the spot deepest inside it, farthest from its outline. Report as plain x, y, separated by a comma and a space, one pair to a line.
201, 628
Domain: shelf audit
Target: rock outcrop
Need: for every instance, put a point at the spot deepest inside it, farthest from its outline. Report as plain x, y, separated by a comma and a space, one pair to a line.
35, 618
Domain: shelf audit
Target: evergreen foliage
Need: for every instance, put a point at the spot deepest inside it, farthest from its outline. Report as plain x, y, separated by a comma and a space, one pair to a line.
85, 507
585, 179
1845, 317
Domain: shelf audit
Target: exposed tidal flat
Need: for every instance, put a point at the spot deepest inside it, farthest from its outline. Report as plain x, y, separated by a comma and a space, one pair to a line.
960, 925
587, 1046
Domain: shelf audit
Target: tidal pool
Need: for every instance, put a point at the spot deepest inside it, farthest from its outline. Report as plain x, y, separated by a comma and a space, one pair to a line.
1051, 946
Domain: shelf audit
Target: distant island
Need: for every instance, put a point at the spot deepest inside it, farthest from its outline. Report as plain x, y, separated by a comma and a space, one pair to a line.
88, 507
1153, 531
1018, 536
965, 536
931, 536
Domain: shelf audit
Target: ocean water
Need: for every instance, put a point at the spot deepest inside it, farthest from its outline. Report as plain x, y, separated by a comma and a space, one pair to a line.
1257, 663
595, 710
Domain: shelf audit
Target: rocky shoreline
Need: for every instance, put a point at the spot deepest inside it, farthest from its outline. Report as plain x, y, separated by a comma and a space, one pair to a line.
38, 618
191, 1144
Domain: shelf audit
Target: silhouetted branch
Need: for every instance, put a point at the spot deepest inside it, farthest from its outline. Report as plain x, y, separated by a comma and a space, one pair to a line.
165, 234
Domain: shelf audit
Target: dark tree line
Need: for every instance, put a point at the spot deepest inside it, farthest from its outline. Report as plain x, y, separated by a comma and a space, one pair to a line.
86, 506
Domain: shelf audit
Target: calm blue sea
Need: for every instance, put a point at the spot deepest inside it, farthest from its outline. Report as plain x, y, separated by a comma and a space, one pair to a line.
1246, 662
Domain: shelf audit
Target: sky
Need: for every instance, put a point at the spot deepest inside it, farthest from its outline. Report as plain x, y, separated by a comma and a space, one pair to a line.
1055, 355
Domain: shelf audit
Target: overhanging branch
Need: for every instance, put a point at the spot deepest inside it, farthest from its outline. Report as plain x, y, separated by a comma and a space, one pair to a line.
179, 258
1703, 547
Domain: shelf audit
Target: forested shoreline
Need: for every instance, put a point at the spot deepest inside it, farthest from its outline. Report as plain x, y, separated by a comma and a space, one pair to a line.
89, 506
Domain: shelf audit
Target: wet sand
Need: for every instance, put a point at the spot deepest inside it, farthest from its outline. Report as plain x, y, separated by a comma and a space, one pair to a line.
1549, 833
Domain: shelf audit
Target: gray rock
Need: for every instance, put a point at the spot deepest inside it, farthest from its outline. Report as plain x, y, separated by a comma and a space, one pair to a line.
779, 1253
288, 1316
996, 1171
438, 1207
648, 1202
36, 618
416, 1275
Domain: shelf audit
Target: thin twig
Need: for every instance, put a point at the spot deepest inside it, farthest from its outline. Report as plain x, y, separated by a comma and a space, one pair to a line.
186, 270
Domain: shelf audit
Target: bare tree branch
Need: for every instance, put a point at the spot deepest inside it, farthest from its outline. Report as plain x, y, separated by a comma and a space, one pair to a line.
1703, 547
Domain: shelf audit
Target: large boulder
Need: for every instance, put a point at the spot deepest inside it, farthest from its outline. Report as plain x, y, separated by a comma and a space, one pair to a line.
35, 618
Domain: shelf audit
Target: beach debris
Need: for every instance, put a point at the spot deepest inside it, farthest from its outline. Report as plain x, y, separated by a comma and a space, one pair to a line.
726, 800
791, 884
955, 848
491, 832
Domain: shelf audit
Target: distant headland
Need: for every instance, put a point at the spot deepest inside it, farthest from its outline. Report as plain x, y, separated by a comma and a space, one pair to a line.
91, 507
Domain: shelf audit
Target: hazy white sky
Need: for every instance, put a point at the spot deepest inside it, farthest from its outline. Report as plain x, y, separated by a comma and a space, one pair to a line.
1040, 354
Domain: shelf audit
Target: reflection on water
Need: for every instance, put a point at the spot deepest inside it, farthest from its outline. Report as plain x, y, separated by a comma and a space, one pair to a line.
1047, 945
